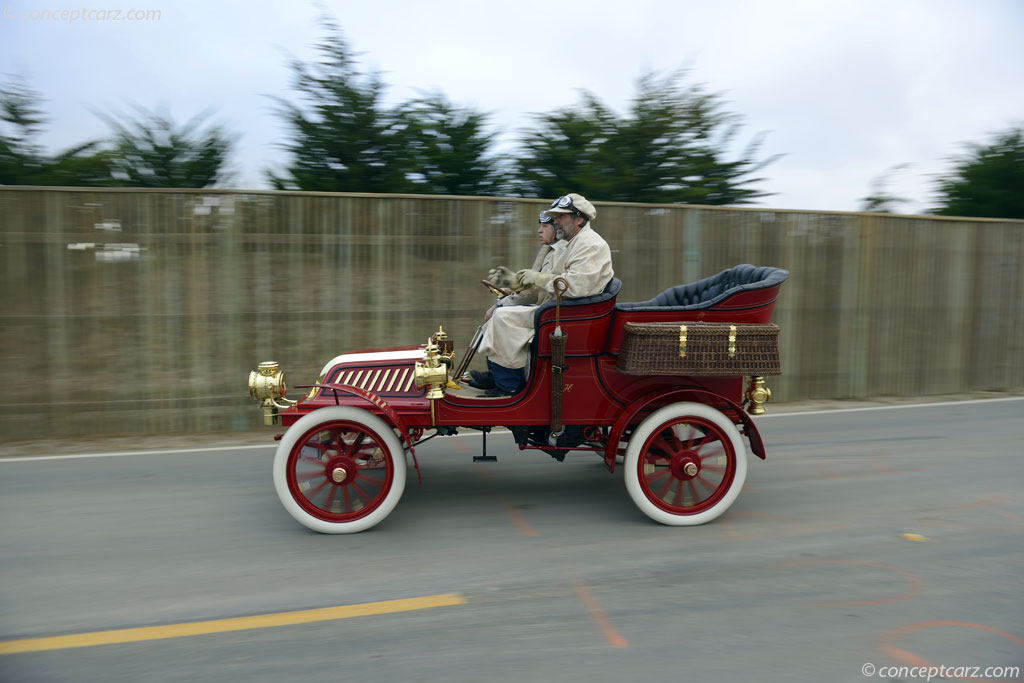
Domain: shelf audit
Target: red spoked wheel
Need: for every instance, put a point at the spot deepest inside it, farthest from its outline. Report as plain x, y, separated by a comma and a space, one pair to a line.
685, 464
339, 470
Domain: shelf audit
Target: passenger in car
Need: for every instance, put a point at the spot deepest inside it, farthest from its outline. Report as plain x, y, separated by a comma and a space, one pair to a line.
504, 277
585, 262
549, 242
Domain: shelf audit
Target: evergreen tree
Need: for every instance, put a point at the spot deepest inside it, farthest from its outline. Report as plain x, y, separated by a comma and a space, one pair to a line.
450, 148
672, 146
151, 151
21, 157
987, 181
343, 139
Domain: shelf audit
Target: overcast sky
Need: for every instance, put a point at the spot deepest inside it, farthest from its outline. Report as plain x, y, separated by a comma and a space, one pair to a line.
845, 90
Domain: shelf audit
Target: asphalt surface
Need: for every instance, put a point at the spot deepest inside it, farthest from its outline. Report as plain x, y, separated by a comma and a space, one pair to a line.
869, 539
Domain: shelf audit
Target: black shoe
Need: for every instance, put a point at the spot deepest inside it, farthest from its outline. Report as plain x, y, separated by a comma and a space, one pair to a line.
480, 380
572, 436
521, 433
496, 392
558, 455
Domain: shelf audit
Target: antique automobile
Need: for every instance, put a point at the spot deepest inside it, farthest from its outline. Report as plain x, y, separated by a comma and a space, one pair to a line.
664, 388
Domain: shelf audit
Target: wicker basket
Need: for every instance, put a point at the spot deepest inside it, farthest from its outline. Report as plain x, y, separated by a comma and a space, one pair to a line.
699, 349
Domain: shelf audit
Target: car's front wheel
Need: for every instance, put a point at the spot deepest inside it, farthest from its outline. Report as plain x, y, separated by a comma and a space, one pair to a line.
339, 470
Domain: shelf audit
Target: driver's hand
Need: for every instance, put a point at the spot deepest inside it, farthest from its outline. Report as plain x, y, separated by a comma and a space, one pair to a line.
490, 312
532, 278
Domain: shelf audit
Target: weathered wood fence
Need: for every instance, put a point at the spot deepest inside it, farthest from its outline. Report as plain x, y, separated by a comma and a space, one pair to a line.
140, 311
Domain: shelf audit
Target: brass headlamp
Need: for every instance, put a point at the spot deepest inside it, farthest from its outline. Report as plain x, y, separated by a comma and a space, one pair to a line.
267, 385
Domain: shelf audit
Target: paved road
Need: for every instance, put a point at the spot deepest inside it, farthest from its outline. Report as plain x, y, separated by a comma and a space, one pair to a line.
878, 537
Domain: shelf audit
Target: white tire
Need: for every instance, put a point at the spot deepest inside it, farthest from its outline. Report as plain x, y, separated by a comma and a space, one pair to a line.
685, 464
339, 470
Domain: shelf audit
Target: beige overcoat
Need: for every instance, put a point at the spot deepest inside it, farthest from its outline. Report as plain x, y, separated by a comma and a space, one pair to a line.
586, 264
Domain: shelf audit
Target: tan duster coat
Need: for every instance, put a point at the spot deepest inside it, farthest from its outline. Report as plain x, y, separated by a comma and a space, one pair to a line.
586, 264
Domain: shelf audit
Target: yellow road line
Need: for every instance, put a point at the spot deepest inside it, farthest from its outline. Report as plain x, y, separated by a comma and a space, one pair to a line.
196, 628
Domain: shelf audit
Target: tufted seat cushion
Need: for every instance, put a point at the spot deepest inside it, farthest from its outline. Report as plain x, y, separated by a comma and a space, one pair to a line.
711, 290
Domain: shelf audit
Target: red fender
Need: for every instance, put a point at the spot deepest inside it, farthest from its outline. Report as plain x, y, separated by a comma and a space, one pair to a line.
383, 405
702, 396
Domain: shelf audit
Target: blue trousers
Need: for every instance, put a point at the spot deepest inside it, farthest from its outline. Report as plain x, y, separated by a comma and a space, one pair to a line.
506, 379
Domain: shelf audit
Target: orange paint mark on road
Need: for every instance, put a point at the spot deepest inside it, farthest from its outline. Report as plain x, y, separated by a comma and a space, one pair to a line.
1009, 515
985, 503
792, 526
613, 637
484, 472
782, 438
916, 583
910, 659
518, 518
874, 462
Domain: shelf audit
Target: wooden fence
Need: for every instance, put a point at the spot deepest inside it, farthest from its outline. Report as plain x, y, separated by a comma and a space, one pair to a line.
142, 312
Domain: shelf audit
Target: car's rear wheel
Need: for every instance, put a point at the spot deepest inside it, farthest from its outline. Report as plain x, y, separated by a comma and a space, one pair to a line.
685, 464
339, 470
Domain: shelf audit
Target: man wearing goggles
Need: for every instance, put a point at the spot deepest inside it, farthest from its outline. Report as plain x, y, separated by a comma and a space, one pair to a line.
585, 262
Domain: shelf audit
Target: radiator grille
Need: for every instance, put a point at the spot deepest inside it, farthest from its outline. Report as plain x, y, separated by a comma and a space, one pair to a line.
395, 381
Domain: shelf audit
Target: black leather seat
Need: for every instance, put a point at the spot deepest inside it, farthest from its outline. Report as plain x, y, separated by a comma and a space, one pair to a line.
711, 290
610, 291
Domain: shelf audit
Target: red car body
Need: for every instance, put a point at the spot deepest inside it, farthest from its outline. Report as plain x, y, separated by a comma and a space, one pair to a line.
607, 404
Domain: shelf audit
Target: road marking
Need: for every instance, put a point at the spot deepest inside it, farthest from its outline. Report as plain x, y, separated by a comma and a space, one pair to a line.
613, 637
984, 503
116, 454
206, 449
520, 521
802, 413
916, 590
911, 659
940, 404
792, 526
309, 616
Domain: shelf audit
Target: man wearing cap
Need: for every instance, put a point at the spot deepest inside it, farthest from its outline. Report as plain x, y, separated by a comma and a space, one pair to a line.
585, 262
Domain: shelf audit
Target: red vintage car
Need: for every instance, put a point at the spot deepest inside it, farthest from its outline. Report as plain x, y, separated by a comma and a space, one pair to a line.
666, 387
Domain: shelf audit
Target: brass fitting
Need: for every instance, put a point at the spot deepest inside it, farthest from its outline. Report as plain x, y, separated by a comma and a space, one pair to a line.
445, 346
432, 372
758, 394
267, 385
